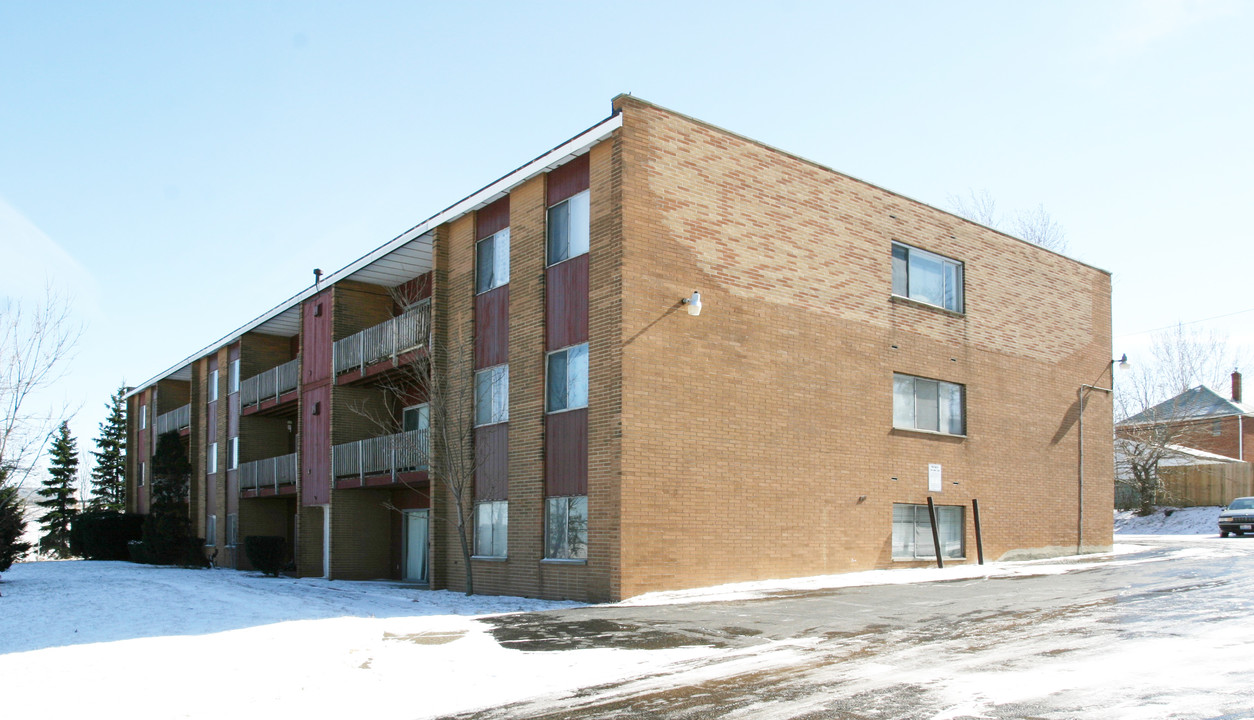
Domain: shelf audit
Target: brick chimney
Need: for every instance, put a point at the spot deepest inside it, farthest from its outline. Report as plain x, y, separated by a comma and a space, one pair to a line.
1236, 386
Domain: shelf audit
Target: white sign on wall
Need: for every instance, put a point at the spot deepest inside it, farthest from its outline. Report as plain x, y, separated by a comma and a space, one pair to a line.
934, 477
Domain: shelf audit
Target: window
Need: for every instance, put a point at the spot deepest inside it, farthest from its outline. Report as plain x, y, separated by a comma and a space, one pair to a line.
567, 379
212, 461
143, 417
566, 528
232, 529
921, 404
492, 261
491, 528
211, 530
492, 395
213, 386
232, 454
912, 532
569, 228
143, 468
927, 277
233, 377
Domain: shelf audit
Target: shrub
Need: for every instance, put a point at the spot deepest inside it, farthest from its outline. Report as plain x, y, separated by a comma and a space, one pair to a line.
12, 525
267, 553
103, 534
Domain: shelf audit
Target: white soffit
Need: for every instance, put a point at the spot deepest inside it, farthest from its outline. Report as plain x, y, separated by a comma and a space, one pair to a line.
406, 256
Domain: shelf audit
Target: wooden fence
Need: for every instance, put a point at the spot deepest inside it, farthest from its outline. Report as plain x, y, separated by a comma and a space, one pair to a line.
1196, 485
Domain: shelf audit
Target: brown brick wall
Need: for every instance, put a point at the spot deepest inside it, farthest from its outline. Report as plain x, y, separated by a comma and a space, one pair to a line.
265, 516
361, 527
751, 433
309, 538
259, 353
359, 306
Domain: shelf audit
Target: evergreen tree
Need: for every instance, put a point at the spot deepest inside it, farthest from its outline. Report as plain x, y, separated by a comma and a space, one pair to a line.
168, 538
108, 491
58, 493
12, 523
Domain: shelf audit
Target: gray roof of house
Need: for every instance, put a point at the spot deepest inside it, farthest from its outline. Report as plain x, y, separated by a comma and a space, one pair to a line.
1198, 403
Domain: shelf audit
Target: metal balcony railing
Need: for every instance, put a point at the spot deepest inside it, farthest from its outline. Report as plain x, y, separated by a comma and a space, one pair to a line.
271, 472
270, 384
176, 419
388, 339
386, 455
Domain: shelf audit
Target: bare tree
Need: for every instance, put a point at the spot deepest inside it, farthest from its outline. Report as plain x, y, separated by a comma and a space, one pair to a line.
1036, 226
444, 379
36, 345
1160, 421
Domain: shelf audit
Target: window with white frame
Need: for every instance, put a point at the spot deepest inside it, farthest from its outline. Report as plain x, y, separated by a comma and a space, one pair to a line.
492, 261
569, 228
491, 528
211, 530
492, 395
232, 453
143, 468
927, 277
232, 529
567, 379
912, 532
932, 405
232, 377
212, 389
211, 462
143, 417
566, 528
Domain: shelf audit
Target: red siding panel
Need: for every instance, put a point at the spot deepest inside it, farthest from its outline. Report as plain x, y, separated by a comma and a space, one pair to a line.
492, 327
315, 446
492, 469
316, 334
570, 179
412, 291
492, 218
566, 303
566, 453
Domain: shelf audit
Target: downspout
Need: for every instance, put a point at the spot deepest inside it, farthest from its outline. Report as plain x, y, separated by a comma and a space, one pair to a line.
1079, 542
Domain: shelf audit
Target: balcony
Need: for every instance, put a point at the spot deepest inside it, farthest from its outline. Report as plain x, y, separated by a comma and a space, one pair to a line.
388, 455
385, 341
177, 419
270, 474
270, 385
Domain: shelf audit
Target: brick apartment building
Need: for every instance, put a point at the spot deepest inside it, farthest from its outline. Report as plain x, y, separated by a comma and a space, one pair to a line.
856, 352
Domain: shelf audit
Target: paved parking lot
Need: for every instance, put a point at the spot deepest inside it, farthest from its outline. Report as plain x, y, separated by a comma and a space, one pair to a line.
1160, 632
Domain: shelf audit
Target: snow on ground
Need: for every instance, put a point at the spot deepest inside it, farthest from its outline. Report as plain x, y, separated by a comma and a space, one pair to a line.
245, 646
1169, 521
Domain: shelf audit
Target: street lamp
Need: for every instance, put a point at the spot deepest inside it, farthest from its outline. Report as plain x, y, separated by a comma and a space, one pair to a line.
1123, 365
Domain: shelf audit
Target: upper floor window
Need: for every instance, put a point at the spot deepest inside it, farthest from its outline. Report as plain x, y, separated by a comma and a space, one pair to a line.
569, 228
492, 261
933, 405
232, 454
213, 385
233, 377
143, 417
492, 395
927, 277
567, 379
211, 460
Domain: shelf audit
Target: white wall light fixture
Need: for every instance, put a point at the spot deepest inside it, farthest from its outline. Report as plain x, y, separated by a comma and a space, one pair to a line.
693, 303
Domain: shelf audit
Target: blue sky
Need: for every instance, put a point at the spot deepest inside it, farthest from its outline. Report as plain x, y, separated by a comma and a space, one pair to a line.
182, 166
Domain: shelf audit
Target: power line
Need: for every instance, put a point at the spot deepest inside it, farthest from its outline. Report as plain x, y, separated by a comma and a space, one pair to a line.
1187, 322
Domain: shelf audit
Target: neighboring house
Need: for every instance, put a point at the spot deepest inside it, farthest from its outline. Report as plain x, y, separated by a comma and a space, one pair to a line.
1203, 419
1199, 440
856, 353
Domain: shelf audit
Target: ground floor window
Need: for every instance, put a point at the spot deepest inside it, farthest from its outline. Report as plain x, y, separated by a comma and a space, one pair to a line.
232, 529
912, 532
566, 528
211, 530
491, 528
